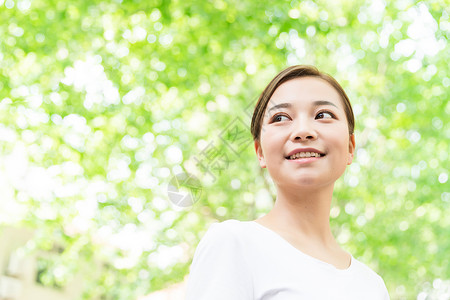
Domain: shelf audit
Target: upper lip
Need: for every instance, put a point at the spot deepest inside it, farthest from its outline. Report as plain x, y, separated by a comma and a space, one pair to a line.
304, 150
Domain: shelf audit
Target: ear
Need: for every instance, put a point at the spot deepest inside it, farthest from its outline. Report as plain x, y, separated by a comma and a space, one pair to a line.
351, 148
260, 155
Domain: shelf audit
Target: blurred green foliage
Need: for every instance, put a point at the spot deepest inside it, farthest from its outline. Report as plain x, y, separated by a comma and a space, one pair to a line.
103, 102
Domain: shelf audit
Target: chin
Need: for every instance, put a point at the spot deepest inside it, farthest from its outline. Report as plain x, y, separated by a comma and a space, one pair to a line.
301, 183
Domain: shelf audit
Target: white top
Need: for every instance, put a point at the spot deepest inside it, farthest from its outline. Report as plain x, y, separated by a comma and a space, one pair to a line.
238, 260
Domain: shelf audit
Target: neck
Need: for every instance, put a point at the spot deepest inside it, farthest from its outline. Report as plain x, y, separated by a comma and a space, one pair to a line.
304, 212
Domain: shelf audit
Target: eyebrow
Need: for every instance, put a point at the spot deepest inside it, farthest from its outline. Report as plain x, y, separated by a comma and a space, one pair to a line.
315, 103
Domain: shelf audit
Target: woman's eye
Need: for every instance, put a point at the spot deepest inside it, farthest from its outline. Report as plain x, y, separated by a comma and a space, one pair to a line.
324, 115
277, 118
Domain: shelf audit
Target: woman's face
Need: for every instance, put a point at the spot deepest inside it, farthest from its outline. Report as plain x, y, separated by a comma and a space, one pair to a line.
305, 115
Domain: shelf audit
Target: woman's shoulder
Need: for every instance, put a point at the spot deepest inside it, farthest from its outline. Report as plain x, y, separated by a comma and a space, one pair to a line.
220, 269
226, 238
228, 231
230, 227
365, 271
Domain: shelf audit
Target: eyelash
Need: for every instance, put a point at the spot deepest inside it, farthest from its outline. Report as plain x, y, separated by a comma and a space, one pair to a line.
320, 112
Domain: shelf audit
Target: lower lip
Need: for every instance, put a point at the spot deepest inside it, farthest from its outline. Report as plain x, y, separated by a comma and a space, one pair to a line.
304, 160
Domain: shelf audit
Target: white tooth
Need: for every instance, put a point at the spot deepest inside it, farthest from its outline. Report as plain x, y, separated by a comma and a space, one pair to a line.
304, 155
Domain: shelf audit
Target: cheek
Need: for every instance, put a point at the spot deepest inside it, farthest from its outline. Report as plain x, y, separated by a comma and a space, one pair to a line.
343, 146
274, 132
338, 142
269, 135
271, 148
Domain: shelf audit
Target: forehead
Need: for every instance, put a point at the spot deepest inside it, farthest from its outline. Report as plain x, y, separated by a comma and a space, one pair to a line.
305, 90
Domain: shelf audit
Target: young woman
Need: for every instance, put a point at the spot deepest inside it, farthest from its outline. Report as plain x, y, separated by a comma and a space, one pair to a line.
303, 133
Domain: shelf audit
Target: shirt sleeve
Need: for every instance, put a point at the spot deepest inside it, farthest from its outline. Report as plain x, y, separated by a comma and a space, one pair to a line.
219, 269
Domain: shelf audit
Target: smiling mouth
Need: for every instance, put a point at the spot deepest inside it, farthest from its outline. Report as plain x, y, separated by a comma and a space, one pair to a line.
304, 155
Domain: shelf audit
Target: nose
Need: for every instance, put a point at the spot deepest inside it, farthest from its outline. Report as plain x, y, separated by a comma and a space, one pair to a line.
303, 130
